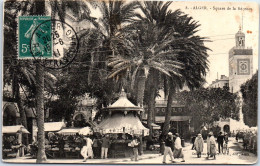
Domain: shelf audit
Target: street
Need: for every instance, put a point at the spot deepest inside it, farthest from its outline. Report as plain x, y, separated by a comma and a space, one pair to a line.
236, 156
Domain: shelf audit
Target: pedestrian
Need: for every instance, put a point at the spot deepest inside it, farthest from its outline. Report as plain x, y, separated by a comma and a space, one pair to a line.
34, 147
96, 147
173, 140
192, 141
61, 145
134, 144
225, 147
226, 137
212, 145
104, 147
220, 140
167, 147
87, 151
178, 153
208, 146
149, 143
198, 143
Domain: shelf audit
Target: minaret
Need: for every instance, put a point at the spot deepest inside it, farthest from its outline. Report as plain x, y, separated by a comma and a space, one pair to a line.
240, 68
240, 39
240, 63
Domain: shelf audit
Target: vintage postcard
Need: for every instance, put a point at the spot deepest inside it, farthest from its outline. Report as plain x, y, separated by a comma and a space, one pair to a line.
130, 82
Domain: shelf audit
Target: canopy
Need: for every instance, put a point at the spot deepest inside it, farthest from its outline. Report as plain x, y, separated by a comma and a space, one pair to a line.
154, 126
119, 123
53, 126
161, 119
69, 131
73, 131
14, 129
124, 104
85, 131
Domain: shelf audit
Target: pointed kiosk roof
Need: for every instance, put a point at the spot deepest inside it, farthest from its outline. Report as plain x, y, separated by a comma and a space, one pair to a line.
124, 104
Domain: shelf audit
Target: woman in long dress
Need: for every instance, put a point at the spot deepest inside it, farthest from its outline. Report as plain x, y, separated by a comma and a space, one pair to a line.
208, 146
199, 145
212, 145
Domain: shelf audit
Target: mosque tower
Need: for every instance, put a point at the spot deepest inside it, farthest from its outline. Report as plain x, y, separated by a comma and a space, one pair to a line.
240, 68
240, 63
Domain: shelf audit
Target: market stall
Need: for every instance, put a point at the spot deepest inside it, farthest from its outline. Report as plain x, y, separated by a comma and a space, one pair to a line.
51, 139
52, 126
67, 142
12, 140
122, 121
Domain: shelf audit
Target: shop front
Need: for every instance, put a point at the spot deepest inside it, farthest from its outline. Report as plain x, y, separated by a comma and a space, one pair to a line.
66, 143
13, 141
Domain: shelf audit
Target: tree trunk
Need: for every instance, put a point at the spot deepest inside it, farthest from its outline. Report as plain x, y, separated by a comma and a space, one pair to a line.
17, 96
166, 126
153, 84
151, 107
19, 102
140, 90
39, 9
140, 100
41, 156
150, 110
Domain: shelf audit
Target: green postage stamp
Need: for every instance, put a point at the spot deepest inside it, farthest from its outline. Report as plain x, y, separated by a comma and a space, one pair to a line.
34, 37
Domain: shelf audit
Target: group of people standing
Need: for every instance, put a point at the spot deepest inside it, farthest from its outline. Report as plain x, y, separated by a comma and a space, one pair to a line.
249, 139
89, 146
222, 141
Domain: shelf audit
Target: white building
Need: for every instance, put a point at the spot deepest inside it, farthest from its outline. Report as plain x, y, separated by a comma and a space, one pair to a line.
240, 70
220, 83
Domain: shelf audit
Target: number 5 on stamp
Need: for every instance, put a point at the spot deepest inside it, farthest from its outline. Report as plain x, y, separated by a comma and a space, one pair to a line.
34, 37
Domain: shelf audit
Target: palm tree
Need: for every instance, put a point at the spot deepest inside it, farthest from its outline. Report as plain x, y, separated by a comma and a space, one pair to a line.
41, 157
18, 73
149, 53
193, 55
103, 40
10, 70
38, 8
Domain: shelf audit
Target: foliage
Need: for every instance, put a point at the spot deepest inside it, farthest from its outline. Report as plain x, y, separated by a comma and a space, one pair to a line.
141, 46
35, 75
97, 44
209, 104
249, 93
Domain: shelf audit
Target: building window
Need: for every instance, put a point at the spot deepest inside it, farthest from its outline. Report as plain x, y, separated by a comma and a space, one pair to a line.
226, 84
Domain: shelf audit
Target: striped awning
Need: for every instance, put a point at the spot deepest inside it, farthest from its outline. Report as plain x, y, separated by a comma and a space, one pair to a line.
120, 123
74, 131
52, 126
14, 129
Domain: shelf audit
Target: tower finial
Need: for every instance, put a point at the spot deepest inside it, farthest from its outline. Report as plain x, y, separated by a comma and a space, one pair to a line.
122, 94
242, 21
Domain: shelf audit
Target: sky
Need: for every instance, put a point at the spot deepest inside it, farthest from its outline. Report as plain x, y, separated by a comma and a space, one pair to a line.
220, 26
